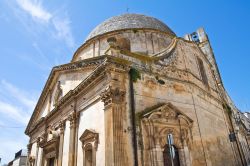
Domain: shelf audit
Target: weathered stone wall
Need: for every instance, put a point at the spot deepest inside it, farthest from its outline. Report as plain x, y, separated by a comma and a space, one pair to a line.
210, 143
141, 41
92, 118
245, 147
68, 81
176, 79
65, 156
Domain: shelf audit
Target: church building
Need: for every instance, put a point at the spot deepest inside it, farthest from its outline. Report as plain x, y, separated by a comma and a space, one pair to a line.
135, 94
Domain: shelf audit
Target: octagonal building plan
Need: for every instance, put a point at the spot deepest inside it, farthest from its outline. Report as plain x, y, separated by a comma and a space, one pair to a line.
135, 94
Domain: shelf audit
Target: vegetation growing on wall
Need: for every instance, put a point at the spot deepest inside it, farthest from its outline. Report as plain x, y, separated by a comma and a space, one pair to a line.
135, 74
227, 108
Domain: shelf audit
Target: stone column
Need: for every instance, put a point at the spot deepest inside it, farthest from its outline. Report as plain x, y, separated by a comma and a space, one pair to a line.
60, 153
37, 152
94, 149
115, 145
72, 119
185, 154
29, 146
158, 155
76, 136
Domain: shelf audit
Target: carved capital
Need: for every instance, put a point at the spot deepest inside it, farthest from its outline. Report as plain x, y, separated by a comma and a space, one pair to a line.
61, 127
42, 139
29, 146
111, 95
32, 160
73, 119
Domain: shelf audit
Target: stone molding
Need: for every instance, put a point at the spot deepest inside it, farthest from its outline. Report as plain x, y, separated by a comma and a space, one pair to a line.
111, 95
73, 118
58, 93
89, 137
61, 126
70, 66
90, 140
42, 139
31, 160
29, 146
156, 124
168, 119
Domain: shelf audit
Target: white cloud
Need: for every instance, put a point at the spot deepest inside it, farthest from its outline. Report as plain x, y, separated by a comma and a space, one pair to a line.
63, 30
58, 23
16, 106
35, 9
28, 102
14, 113
15, 103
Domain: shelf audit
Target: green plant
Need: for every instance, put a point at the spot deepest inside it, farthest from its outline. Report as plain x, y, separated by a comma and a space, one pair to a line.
227, 108
135, 75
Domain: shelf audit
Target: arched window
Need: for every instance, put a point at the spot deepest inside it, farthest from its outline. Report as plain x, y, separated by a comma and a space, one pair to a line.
202, 71
88, 155
167, 153
89, 141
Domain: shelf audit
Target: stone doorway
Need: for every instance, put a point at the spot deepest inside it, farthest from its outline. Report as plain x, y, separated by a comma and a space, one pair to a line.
156, 124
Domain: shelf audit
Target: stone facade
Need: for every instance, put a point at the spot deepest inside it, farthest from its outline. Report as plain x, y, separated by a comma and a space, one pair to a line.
125, 91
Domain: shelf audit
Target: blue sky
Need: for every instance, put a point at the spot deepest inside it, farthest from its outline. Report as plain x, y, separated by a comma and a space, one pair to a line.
36, 35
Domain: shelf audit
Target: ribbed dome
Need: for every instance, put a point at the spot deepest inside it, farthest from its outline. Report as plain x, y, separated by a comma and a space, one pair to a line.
129, 21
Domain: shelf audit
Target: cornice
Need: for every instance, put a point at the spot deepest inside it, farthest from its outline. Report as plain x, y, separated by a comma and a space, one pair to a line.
98, 74
65, 67
116, 32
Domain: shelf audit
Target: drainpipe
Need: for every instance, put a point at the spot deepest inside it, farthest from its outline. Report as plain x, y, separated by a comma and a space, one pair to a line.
132, 109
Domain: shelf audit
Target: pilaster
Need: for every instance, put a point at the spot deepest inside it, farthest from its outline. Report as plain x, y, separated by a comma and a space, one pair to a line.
60, 154
73, 119
114, 106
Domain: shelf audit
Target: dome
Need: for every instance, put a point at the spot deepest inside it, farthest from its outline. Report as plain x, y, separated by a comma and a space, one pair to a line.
129, 21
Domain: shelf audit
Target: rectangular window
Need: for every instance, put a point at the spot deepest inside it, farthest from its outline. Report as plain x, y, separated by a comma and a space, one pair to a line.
202, 71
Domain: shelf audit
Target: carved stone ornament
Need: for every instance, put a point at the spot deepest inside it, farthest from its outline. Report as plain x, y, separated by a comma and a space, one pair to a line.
32, 160
89, 137
41, 140
58, 93
61, 126
168, 112
29, 146
72, 118
111, 95
164, 120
